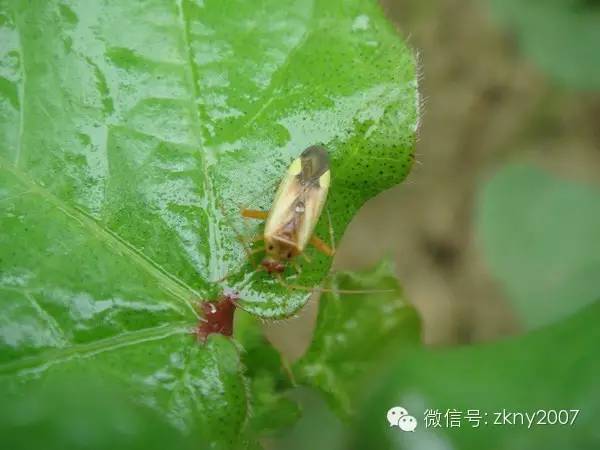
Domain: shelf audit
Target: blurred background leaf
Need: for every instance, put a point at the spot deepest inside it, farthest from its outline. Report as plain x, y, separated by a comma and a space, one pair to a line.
561, 36
272, 409
49, 415
555, 367
198, 388
319, 428
539, 234
354, 333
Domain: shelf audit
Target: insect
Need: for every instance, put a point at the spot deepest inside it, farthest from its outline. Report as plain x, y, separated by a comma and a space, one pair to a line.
299, 201
290, 223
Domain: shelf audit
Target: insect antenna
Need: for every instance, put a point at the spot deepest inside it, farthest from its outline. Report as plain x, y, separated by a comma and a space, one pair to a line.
331, 233
299, 287
242, 240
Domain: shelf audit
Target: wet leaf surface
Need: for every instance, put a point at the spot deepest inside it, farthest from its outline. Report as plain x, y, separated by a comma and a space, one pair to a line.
355, 333
131, 133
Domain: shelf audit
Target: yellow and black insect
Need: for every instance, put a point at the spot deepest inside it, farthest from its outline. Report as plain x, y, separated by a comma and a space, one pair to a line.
291, 221
298, 204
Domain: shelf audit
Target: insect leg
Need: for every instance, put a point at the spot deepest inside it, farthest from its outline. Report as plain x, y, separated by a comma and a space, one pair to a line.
254, 214
321, 246
245, 243
334, 291
249, 254
255, 251
297, 267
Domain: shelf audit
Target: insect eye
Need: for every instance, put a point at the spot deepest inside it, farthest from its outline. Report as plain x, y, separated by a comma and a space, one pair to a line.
289, 255
270, 247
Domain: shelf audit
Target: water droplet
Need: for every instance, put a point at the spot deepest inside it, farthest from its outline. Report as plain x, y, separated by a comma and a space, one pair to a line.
360, 23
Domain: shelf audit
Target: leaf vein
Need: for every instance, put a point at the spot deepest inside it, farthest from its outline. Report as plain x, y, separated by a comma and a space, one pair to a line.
214, 266
22, 85
174, 286
39, 363
53, 325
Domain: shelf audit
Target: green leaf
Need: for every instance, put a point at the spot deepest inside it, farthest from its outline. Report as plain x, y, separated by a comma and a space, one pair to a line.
271, 407
318, 429
129, 135
540, 239
553, 368
48, 415
354, 333
561, 36
197, 388
146, 131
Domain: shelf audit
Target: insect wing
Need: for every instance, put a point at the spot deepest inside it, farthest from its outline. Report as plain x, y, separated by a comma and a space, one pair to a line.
314, 162
300, 198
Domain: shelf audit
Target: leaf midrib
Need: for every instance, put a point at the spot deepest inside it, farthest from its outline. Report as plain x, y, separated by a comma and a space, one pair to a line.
48, 358
173, 285
170, 284
214, 241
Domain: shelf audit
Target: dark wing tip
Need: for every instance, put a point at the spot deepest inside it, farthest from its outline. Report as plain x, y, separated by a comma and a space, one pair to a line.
315, 162
318, 152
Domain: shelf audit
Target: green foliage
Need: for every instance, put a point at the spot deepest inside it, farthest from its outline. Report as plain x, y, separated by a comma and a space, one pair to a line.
318, 429
354, 333
539, 236
137, 136
195, 387
553, 368
271, 408
130, 133
49, 416
561, 36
